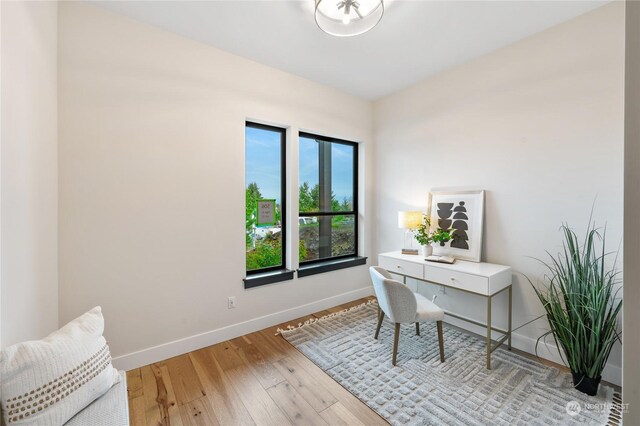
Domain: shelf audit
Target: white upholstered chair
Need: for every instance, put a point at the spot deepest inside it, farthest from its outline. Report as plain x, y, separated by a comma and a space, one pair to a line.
402, 306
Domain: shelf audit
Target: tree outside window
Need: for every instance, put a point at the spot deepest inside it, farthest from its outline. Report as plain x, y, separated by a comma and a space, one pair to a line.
327, 198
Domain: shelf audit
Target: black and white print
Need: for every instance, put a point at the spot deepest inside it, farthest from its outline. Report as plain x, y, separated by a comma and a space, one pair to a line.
462, 212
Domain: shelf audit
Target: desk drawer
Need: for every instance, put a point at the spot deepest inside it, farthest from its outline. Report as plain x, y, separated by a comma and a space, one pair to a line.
468, 282
402, 267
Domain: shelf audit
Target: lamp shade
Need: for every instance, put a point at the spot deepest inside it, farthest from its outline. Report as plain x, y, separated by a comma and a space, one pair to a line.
409, 220
344, 18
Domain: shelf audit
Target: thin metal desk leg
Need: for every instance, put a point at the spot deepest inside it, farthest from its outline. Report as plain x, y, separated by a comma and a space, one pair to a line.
510, 309
489, 332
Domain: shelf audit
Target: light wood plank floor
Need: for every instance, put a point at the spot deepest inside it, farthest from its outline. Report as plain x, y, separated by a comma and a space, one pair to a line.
256, 379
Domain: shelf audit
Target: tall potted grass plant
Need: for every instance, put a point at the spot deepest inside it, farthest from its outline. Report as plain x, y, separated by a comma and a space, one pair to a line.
581, 304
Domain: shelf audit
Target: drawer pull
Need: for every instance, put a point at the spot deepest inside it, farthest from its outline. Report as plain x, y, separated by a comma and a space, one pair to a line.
399, 267
452, 279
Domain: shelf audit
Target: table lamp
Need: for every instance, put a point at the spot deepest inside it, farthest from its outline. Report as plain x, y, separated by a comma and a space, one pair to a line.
409, 221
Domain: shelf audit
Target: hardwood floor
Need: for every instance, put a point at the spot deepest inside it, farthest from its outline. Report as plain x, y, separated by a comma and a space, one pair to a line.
257, 379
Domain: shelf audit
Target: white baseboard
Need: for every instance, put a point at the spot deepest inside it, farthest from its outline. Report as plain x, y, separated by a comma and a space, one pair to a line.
198, 341
612, 373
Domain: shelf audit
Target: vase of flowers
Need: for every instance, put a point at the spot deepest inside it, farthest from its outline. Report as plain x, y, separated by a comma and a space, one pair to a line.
425, 237
427, 250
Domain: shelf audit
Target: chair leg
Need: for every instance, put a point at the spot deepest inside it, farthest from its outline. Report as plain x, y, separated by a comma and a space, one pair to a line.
380, 318
417, 329
440, 341
395, 344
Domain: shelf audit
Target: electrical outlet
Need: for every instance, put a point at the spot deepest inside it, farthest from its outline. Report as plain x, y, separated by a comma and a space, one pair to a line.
231, 303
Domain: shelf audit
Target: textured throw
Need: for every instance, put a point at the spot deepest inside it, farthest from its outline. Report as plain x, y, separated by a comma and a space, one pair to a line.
460, 391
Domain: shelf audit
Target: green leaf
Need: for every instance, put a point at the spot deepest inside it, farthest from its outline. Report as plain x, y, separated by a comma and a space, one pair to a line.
581, 301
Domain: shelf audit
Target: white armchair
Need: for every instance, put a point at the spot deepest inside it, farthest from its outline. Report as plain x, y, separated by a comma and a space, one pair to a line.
402, 306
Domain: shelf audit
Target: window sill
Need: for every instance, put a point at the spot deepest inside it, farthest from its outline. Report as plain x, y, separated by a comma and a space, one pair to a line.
267, 278
330, 265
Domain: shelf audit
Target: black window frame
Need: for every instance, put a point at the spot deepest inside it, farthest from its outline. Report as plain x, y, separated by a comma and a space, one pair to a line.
353, 212
283, 199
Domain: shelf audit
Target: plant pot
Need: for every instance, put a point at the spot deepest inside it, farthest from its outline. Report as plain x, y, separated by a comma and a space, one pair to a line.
586, 384
427, 250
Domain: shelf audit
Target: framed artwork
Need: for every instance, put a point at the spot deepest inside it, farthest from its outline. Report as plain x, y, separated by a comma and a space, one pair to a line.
462, 211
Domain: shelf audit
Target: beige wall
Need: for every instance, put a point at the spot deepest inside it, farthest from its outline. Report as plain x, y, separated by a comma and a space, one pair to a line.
28, 192
152, 169
631, 353
151, 160
539, 126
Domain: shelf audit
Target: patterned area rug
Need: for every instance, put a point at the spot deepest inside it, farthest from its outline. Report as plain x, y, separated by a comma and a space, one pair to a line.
460, 391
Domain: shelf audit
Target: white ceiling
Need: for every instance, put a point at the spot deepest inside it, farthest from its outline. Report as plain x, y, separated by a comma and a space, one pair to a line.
414, 40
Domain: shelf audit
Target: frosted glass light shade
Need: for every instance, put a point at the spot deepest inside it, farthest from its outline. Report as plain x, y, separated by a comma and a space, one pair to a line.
409, 220
345, 18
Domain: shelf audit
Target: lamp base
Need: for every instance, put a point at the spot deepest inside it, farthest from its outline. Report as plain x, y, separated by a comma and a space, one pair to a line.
410, 251
408, 243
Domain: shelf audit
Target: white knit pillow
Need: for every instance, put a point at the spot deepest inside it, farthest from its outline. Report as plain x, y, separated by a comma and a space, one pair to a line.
46, 382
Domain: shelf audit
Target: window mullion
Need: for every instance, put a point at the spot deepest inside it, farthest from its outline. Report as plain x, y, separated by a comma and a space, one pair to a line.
333, 213
294, 201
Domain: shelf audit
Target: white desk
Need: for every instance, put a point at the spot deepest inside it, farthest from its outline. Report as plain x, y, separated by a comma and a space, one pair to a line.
482, 279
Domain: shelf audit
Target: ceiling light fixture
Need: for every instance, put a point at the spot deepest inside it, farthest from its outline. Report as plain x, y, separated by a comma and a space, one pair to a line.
348, 17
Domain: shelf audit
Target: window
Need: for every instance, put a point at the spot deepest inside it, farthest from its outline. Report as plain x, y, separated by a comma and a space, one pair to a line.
328, 218
265, 181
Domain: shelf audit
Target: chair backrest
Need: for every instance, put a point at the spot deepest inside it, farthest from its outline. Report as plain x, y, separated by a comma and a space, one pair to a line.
395, 299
